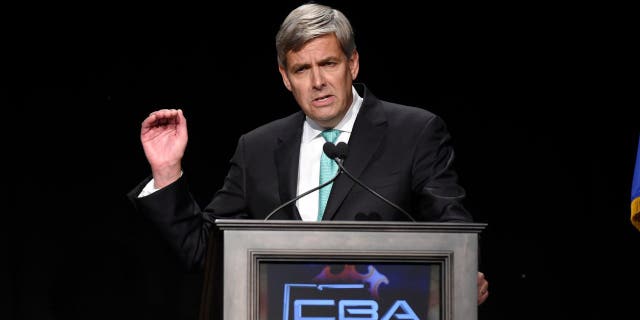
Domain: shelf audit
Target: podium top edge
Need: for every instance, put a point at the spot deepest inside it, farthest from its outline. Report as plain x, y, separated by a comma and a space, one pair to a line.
381, 226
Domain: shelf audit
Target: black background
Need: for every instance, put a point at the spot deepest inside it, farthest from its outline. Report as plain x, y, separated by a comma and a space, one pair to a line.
545, 136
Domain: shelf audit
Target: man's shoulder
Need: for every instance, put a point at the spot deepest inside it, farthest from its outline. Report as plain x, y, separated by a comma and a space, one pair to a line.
407, 114
393, 110
404, 109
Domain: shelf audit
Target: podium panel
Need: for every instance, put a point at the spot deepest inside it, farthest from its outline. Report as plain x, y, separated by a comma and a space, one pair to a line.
266, 270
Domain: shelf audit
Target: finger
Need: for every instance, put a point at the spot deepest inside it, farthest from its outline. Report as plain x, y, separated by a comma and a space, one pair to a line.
162, 117
484, 289
482, 297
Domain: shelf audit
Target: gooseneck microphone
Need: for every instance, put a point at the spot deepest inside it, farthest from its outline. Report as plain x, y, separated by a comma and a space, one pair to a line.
305, 193
340, 152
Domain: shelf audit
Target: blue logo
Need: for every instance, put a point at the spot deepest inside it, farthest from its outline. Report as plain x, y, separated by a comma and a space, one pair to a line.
338, 302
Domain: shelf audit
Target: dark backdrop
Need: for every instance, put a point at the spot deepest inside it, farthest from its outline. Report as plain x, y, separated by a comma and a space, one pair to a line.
545, 143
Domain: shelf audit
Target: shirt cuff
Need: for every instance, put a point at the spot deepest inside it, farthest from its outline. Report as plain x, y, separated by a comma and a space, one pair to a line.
150, 188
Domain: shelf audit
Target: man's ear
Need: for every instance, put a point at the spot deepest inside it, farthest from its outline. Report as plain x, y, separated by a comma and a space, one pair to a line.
285, 78
354, 64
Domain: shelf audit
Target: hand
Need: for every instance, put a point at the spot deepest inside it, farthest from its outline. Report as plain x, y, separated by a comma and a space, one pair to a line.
483, 288
164, 138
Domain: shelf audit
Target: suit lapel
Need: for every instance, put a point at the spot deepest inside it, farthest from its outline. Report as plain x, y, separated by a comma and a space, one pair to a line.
286, 157
366, 136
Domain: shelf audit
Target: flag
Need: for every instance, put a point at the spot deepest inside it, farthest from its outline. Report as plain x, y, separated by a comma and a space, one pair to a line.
635, 191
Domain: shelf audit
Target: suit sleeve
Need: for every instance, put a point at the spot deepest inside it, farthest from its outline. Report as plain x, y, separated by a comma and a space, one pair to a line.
177, 215
435, 180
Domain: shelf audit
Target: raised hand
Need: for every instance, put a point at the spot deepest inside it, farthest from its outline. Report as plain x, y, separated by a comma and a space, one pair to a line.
164, 139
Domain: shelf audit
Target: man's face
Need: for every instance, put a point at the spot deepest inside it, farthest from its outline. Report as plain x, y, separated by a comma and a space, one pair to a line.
320, 77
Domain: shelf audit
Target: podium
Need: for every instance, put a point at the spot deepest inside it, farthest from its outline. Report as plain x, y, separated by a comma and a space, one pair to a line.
282, 269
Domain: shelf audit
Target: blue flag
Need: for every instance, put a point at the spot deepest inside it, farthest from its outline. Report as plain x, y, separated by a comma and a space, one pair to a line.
635, 192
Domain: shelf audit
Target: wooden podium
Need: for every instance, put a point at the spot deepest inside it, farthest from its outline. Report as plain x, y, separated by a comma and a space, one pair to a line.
264, 270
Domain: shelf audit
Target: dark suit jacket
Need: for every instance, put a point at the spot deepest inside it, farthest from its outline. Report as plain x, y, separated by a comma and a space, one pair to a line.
401, 152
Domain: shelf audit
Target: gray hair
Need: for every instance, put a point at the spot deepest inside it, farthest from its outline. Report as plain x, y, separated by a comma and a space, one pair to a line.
310, 21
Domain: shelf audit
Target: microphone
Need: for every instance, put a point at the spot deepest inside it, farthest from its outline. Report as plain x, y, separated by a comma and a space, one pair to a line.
331, 151
340, 151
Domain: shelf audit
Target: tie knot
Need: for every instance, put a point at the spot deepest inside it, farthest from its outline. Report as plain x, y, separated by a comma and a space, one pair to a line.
330, 135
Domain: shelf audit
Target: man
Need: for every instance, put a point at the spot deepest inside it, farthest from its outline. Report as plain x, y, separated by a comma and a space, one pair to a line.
401, 152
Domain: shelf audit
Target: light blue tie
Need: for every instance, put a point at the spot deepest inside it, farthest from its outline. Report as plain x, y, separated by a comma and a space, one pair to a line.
328, 169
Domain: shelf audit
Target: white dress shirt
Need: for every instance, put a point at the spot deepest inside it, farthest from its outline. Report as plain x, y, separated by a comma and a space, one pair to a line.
310, 152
